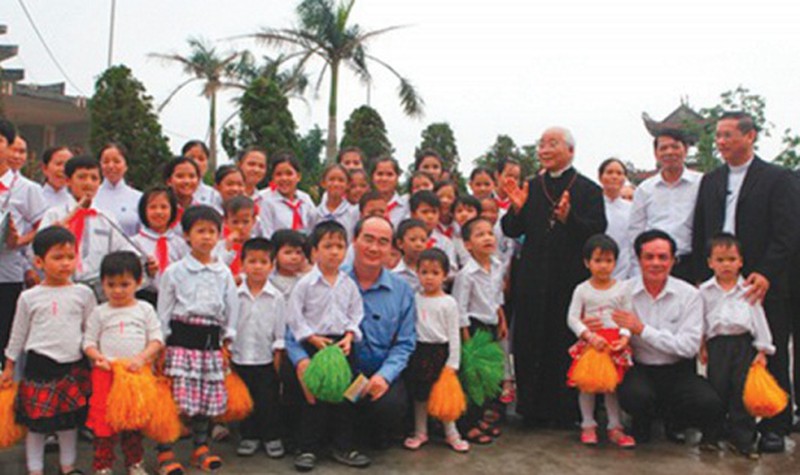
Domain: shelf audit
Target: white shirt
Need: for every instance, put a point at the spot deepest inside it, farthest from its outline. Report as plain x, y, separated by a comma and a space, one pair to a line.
462, 254
736, 176
618, 214
345, 214
438, 321
276, 213
589, 301
147, 240
479, 293
25, 203
122, 202
505, 246
284, 283
408, 274
189, 287
205, 195
55, 198
445, 244
673, 322
100, 237
398, 209
122, 332
729, 313
49, 320
261, 325
668, 207
317, 307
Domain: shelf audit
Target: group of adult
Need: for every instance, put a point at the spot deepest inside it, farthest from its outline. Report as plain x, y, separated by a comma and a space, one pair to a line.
674, 213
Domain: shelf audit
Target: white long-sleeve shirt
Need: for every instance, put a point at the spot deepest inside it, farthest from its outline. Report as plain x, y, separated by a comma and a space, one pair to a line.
122, 202
398, 209
147, 240
55, 198
345, 214
24, 202
479, 292
589, 301
261, 325
445, 244
729, 313
438, 321
673, 322
618, 216
408, 274
736, 176
317, 307
276, 212
122, 332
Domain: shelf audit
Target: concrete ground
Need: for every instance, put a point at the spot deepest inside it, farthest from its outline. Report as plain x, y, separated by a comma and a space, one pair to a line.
518, 451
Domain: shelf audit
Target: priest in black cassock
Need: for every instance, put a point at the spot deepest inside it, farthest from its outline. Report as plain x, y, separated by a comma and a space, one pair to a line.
556, 212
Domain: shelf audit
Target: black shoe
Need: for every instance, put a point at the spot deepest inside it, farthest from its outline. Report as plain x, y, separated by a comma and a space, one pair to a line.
771, 443
747, 451
351, 458
675, 436
305, 462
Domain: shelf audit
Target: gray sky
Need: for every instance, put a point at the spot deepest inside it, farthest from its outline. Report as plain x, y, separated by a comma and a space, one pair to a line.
505, 66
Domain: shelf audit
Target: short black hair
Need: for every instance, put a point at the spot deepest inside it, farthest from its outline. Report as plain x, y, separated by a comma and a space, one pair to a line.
289, 238
425, 153
443, 183
8, 130
726, 240
386, 159
80, 162
407, 225
171, 165
195, 143
226, 170
258, 244
675, 134
745, 121
652, 235
371, 195
468, 201
47, 155
194, 214
327, 228
252, 149
121, 263
504, 162
435, 255
238, 203
332, 167
466, 230
607, 162
284, 156
121, 148
601, 242
480, 171
420, 174
345, 150
50, 237
421, 197
360, 224
150, 193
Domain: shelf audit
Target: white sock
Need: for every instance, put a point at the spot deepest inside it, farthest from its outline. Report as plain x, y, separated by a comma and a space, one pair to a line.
451, 431
613, 410
586, 403
420, 417
67, 447
34, 451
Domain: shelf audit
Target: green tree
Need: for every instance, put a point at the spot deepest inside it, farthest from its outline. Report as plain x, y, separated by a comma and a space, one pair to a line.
365, 129
505, 148
121, 111
310, 146
439, 136
265, 120
215, 71
325, 32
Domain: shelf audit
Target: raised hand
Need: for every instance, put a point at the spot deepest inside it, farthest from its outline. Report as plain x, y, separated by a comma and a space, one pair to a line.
516, 195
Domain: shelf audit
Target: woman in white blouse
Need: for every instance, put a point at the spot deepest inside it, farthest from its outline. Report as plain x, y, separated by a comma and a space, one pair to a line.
115, 196
613, 174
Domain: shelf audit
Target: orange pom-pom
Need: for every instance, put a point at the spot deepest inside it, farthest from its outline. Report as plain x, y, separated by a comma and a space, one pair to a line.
594, 372
164, 425
132, 397
10, 432
447, 401
762, 395
240, 404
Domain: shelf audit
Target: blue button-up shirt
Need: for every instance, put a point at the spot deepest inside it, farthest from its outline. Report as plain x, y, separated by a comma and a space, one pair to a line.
388, 330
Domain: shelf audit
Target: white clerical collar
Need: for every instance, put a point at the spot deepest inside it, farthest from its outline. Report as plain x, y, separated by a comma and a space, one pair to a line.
741, 168
558, 173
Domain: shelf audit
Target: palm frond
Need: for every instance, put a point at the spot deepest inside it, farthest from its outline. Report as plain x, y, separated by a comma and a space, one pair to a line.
409, 97
175, 91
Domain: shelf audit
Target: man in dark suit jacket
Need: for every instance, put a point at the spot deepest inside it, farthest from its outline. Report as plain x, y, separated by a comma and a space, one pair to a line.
758, 202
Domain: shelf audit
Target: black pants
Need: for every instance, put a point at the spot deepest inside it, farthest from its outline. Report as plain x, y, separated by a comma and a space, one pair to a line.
675, 391
264, 422
795, 312
383, 419
9, 294
729, 359
777, 309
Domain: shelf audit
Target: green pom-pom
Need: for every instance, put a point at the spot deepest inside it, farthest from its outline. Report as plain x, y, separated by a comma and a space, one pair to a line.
328, 374
482, 367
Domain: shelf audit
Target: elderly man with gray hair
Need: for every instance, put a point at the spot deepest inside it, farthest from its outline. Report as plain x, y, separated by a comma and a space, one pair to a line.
557, 212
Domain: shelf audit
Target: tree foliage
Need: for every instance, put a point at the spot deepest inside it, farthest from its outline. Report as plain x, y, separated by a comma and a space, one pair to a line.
505, 148
121, 111
439, 136
365, 129
310, 151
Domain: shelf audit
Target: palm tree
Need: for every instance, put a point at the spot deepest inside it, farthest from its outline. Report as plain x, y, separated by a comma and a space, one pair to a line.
215, 71
324, 32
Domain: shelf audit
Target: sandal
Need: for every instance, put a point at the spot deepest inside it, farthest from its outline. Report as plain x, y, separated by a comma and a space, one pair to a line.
476, 436
203, 459
589, 435
167, 464
415, 442
458, 444
489, 429
621, 439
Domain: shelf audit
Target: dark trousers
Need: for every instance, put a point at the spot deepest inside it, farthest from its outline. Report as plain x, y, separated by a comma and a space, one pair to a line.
795, 311
9, 294
262, 383
674, 391
383, 419
777, 310
729, 359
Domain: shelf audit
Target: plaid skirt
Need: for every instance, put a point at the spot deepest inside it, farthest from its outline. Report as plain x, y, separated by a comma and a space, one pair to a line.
424, 368
198, 380
52, 396
622, 359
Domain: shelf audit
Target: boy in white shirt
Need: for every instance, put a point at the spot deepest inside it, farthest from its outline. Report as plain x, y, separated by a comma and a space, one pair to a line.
411, 239
736, 336
425, 206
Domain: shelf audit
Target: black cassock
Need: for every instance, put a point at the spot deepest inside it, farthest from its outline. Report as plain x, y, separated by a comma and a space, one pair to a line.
551, 267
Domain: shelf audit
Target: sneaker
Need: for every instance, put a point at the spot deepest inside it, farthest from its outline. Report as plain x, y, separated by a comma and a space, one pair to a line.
220, 432
274, 449
137, 469
247, 448
305, 462
589, 435
621, 439
351, 458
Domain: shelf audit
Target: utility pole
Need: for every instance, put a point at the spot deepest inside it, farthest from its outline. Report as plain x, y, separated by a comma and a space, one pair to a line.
111, 33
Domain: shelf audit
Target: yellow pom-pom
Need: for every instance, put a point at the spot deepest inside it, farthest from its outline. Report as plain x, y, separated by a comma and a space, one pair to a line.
595, 372
447, 401
762, 395
240, 404
10, 432
164, 425
132, 397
